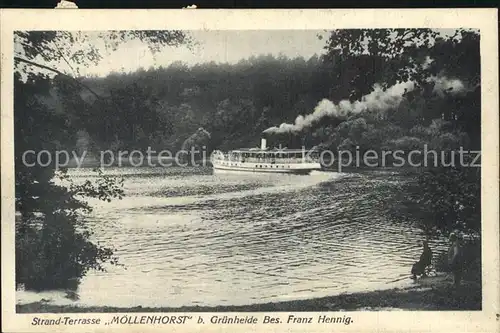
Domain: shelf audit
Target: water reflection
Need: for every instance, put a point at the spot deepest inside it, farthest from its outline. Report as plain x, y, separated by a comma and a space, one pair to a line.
187, 237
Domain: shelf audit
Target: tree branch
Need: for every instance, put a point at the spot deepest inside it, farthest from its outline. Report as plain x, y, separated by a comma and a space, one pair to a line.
57, 72
64, 58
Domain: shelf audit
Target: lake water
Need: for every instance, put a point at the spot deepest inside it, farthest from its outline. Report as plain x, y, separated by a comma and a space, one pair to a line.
188, 237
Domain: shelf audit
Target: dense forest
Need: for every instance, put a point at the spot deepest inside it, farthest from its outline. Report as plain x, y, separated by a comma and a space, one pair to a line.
438, 105
162, 107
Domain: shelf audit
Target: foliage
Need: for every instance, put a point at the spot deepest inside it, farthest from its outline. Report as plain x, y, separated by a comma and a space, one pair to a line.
452, 198
444, 197
388, 56
223, 99
52, 239
263, 91
54, 243
56, 46
165, 107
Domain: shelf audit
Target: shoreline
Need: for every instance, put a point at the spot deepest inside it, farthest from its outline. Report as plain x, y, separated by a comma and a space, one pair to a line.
427, 294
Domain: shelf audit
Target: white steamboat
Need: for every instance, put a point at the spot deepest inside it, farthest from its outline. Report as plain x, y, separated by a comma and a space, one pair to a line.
263, 159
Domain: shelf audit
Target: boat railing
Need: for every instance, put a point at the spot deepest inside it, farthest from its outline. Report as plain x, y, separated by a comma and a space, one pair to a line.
293, 160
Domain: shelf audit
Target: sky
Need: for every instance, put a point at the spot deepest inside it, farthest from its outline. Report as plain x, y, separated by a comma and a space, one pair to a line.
225, 46
218, 46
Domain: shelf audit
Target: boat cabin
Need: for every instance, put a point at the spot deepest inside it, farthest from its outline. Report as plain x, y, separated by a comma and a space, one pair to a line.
274, 155
263, 159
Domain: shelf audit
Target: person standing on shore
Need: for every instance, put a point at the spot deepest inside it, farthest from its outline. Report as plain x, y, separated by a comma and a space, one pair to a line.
455, 257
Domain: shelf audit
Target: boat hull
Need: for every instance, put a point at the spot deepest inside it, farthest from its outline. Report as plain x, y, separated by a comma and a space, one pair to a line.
298, 168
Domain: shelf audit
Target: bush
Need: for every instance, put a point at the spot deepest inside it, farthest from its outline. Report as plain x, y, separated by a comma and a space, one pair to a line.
450, 198
53, 246
472, 260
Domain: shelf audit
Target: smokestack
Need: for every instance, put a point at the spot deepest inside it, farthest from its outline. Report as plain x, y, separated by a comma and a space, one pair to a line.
263, 144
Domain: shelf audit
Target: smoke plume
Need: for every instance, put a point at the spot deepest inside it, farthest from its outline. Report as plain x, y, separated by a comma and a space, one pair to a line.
378, 100
443, 84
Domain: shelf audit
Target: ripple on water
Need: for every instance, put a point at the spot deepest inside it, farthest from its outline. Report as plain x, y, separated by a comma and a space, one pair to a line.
199, 239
